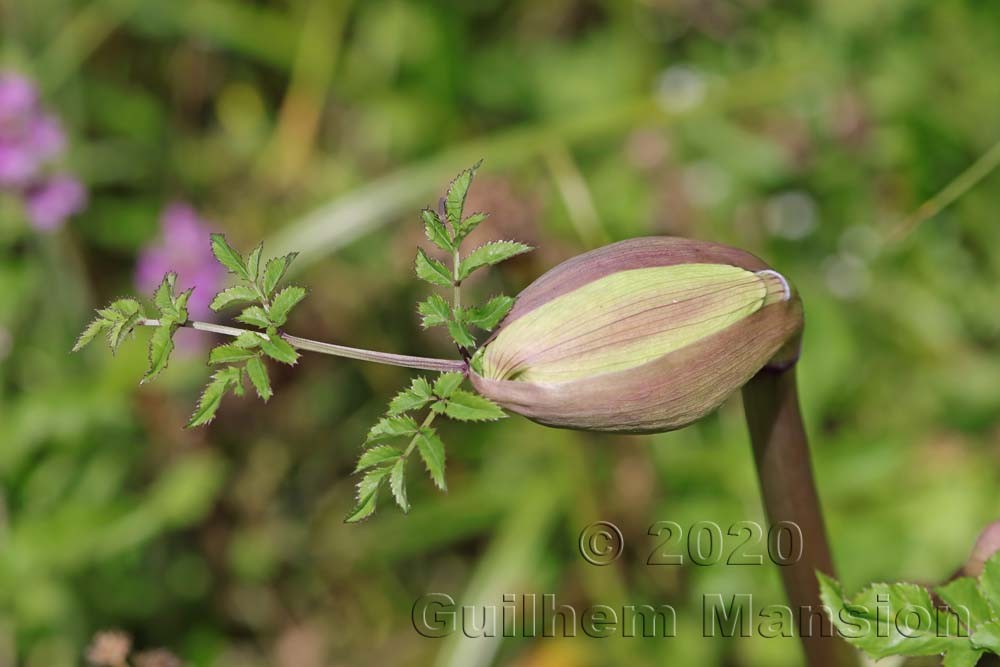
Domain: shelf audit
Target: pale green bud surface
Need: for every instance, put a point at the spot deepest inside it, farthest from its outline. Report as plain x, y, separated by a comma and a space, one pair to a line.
644, 335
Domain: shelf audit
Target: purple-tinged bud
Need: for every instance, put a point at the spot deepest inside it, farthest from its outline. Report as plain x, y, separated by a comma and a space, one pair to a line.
641, 336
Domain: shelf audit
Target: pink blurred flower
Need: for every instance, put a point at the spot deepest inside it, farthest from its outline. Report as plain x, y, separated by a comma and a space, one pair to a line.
184, 248
30, 140
51, 202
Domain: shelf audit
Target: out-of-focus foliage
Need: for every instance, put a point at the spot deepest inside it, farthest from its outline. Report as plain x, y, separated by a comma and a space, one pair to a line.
801, 131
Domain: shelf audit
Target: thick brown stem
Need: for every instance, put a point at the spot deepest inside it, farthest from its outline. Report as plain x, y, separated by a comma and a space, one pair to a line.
781, 451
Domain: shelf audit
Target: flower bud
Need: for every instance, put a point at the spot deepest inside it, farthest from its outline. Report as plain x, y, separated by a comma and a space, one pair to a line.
641, 336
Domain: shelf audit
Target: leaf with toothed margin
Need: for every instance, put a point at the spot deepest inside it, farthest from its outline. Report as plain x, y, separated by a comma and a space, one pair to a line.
223, 380
461, 334
97, 326
122, 329
389, 428
255, 316
989, 583
275, 270
248, 340
232, 296
469, 224
377, 455
432, 452
163, 297
963, 595
283, 303
489, 254
447, 383
367, 494
253, 261
229, 257
454, 200
488, 315
432, 271
434, 311
416, 396
466, 406
397, 482
278, 349
257, 372
228, 354
435, 230
161, 344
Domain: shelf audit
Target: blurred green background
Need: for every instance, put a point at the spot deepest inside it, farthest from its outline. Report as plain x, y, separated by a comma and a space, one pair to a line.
804, 132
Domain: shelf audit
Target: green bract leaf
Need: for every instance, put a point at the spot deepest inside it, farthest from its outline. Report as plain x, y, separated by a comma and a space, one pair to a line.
253, 261
436, 231
389, 428
488, 315
447, 383
233, 295
377, 455
222, 381
466, 406
283, 303
432, 271
435, 311
278, 349
228, 256
258, 377
397, 482
432, 452
94, 329
461, 334
161, 344
455, 198
228, 354
415, 397
275, 269
490, 254
254, 316
367, 494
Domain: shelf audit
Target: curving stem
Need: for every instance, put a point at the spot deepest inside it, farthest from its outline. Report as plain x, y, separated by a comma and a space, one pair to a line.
388, 358
781, 452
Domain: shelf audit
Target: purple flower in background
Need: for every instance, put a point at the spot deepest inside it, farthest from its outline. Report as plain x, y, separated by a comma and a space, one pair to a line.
30, 140
184, 248
51, 202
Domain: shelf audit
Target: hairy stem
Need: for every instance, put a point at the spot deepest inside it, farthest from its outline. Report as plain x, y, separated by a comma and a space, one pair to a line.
781, 451
388, 358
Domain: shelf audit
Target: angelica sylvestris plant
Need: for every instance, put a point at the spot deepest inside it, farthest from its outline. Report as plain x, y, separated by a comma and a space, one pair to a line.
408, 423
642, 336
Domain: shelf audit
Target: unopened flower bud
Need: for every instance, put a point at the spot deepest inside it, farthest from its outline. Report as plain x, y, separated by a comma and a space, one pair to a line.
641, 336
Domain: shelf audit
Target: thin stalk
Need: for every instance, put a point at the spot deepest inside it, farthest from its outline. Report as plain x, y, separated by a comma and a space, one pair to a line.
428, 420
388, 358
781, 451
457, 292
